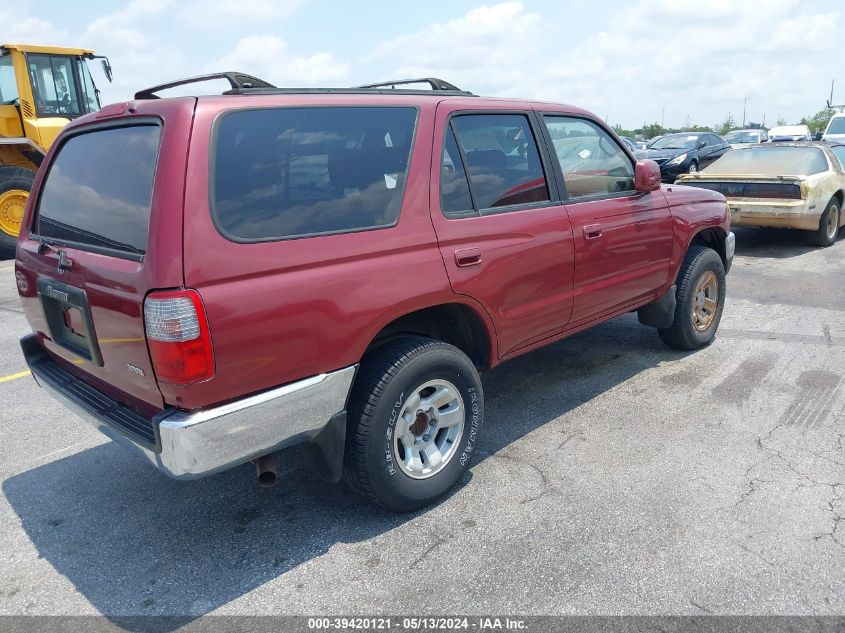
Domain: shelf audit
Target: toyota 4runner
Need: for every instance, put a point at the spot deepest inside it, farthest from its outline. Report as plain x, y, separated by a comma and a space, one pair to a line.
211, 279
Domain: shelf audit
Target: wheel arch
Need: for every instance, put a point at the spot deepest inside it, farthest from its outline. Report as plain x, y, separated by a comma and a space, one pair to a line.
840, 195
458, 323
711, 237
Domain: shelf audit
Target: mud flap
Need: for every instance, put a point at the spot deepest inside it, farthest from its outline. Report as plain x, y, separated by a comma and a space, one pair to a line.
661, 313
324, 453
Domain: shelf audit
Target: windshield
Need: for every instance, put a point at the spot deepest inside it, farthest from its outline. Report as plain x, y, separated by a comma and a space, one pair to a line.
837, 126
676, 141
742, 137
767, 160
54, 85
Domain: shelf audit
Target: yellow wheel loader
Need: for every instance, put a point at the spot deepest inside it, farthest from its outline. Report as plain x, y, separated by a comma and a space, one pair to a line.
41, 89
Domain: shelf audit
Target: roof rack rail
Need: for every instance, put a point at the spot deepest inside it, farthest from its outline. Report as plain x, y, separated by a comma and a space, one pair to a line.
237, 80
434, 82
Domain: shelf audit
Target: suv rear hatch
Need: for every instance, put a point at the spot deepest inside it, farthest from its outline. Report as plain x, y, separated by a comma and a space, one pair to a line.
103, 229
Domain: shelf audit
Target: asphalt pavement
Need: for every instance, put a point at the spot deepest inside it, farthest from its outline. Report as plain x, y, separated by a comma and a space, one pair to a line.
615, 476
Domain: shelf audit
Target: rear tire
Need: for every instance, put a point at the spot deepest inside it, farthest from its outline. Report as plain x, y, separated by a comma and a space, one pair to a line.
700, 300
397, 453
12, 180
828, 225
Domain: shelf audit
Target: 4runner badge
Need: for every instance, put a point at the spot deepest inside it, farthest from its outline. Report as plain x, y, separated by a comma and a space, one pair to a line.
135, 370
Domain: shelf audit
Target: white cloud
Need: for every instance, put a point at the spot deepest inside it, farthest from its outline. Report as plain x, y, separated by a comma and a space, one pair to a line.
268, 57
223, 13
120, 27
696, 59
491, 43
19, 26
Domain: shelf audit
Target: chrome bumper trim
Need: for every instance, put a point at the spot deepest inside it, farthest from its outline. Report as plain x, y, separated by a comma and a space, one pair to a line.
199, 443
730, 246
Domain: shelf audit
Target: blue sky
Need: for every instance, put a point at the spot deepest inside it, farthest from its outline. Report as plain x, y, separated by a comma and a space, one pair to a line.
624, 60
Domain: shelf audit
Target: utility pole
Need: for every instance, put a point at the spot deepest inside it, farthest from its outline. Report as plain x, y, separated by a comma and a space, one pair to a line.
831, 91
662, 117
744, 103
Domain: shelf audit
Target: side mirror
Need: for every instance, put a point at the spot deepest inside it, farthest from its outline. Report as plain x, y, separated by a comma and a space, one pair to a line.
107, 68
702, 143
646, 176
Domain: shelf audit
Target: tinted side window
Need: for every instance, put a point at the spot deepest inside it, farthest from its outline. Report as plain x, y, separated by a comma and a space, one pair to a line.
591, 161
293, 172
455, 197
502, 158
99, 187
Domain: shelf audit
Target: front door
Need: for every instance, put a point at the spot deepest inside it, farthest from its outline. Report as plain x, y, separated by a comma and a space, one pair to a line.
623, 238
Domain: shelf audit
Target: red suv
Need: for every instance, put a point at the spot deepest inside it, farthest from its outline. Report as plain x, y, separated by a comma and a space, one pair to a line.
211, 279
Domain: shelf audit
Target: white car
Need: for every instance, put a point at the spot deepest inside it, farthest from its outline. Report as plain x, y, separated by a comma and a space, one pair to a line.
790, 133
740, 138
835, 131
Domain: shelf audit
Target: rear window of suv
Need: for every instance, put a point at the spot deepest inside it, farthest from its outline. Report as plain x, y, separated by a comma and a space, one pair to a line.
281, 173
98, 190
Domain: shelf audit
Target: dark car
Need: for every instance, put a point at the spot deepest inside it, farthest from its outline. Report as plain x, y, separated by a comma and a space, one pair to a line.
684, 153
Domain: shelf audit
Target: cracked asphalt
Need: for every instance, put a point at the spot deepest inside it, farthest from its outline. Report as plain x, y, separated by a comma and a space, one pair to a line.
614, 476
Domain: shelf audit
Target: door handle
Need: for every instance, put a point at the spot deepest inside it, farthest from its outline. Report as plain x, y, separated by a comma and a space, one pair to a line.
468, 257
592, 231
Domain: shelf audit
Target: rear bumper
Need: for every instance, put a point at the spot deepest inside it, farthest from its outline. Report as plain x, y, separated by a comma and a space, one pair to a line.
787, 214
193, 444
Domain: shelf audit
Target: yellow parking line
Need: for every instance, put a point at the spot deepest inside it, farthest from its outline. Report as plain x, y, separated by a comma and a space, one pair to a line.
20, 374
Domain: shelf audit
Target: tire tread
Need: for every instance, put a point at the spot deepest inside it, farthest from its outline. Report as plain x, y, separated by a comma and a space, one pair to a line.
377, 370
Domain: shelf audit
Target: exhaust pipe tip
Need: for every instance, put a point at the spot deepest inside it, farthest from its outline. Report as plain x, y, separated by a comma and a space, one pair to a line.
265, 471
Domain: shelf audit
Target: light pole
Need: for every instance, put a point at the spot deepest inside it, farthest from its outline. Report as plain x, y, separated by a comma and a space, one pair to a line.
663, 116
831, 92
744, 103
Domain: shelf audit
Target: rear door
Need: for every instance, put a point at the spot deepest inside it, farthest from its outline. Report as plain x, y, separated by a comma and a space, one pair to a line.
504, 240
623, 238
104, 228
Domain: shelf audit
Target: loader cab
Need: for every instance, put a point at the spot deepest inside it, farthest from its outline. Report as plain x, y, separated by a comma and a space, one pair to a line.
42, 89
61, 85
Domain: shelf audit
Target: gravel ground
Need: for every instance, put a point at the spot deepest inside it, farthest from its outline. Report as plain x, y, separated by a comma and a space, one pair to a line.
614, 477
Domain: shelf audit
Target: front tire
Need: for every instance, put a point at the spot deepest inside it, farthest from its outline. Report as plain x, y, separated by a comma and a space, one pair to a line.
693, 168
828, 225
15, 185
415, 414
700, 299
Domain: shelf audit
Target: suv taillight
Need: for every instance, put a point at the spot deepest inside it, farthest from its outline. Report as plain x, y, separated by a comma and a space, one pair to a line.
177, 333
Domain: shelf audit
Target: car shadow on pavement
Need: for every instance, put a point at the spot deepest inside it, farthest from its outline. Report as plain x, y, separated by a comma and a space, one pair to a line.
135, 543
772, 243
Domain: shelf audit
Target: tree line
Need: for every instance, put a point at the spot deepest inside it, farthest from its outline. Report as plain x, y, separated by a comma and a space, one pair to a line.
817, 123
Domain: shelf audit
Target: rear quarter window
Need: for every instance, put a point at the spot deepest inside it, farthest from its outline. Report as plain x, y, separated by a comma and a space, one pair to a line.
281, 173
98, 189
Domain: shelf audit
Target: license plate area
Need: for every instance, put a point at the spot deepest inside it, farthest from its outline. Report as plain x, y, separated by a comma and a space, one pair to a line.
69, 319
